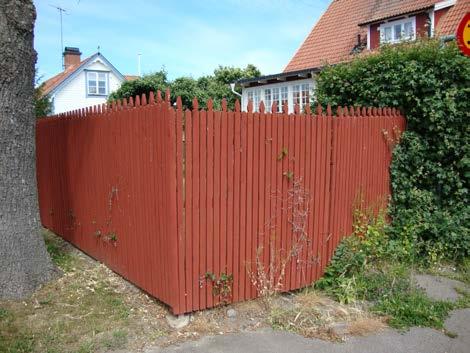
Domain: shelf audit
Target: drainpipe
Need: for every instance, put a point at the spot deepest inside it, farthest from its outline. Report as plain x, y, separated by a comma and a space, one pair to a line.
448, 38
232, 86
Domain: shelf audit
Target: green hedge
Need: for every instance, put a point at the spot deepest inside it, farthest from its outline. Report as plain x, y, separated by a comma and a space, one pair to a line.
430, 82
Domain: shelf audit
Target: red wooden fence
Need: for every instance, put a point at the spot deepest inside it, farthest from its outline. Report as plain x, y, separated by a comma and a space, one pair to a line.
163, 196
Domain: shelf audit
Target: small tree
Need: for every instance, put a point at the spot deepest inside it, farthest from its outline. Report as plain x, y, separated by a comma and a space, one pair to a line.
152, 82
216, 86
42, 103
430, 172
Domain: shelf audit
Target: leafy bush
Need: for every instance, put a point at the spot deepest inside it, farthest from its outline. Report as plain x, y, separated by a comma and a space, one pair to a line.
375, 268
430, 83
216, 86
152, 82
358, 271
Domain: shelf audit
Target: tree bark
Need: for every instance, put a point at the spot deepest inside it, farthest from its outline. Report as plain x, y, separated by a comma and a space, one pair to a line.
24, 262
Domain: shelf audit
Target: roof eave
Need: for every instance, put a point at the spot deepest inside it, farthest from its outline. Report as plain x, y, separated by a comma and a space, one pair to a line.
386, 18
283, 76
80, 68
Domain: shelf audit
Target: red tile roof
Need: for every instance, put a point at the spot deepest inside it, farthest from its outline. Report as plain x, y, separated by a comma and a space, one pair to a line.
382, 9
335, 34
449, 23
56, 80
131, 77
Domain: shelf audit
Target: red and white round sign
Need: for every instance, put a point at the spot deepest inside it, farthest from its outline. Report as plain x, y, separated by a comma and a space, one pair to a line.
463, 34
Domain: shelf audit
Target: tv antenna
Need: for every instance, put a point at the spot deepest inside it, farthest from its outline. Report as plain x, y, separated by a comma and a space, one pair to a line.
61, 11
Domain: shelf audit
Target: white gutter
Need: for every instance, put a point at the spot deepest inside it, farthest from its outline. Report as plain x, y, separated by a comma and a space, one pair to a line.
232, 87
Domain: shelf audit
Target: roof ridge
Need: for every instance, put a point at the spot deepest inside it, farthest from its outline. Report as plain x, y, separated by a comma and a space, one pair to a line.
51, 83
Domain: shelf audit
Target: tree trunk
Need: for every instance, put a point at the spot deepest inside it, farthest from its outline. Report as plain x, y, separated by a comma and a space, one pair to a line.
24, 262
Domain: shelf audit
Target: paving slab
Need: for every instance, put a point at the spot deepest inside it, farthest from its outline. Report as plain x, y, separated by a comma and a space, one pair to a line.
459, 323
439, 288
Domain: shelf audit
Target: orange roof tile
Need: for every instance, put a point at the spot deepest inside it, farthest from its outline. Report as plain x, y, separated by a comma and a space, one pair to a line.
336, 33
56, 80
450, 21
131, 77
382, 9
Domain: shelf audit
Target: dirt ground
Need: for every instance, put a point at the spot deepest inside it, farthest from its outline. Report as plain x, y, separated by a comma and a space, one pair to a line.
89, 308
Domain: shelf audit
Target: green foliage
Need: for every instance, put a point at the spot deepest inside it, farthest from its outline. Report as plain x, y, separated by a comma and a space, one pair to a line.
370, 266
215, 86
413, 308
357, 271
221, 286
153, 82
59, 253
42, 103
430, 83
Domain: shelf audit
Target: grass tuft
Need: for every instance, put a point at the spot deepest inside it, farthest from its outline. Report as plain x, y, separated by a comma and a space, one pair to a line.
413, 308
371, 267
59, 252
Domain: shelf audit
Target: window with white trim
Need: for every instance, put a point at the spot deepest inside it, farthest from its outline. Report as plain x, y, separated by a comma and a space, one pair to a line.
279, 96
305, 96
97, 83
255, 96
301, 95
268, 99
256, 99
284, 97
397, 31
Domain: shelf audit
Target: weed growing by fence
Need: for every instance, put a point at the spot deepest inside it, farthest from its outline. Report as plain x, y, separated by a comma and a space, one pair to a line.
429, 82
221, 286
268, 278
370, 266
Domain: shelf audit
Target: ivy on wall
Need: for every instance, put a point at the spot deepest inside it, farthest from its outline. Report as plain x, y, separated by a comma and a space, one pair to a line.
430, 82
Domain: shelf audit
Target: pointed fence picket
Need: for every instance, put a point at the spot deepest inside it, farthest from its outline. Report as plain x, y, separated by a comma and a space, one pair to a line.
167, 197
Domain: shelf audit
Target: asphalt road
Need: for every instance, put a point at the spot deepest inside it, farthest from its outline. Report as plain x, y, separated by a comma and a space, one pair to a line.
415, 340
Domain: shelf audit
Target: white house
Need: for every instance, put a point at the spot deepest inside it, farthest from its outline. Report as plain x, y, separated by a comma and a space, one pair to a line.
83, 82
347, 29
290, 87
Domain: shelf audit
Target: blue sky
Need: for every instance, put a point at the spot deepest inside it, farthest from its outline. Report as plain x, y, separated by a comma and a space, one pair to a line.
188, 38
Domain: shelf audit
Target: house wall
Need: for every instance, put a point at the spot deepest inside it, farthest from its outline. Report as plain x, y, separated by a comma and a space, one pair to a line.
289, 84
422, 24
73, 95
422, 29
438, 15
374, 36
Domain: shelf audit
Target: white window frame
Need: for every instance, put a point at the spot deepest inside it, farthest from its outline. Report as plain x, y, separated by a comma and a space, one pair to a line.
279, 94
282, 91
283, 96
96, 79
255, 96
392, 25
304, 94
268, 99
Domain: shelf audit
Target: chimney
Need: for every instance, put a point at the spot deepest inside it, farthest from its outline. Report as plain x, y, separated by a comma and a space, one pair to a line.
71, 57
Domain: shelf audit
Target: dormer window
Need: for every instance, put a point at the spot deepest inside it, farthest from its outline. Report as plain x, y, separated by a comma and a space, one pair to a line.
97, 83
397, 31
